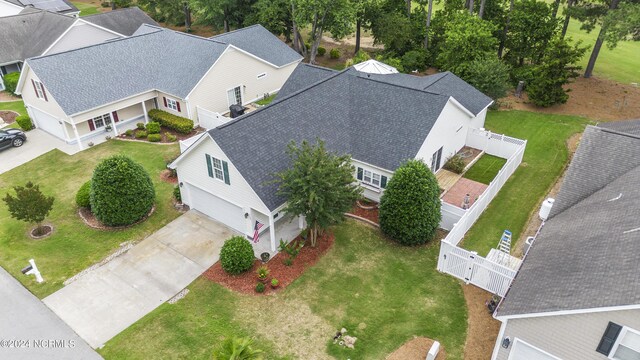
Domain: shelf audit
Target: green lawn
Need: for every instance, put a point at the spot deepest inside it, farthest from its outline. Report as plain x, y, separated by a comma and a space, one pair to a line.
86, 9
384, 294
17, 106
485, 169
544, 161
267, 100
74, 246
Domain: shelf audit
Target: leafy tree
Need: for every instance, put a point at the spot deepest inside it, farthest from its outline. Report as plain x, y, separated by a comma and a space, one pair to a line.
410, 205
275, 15
530, 29
170, 11
455, 53
489, 75
29, 205
237, 349
122, 192
399, 33
221, 14
555, 70
318, 184
363, 10
333, 16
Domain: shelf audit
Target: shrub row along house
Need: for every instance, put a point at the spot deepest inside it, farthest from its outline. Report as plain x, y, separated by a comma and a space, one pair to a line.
577, 294
84, 94
380, 119
34, 32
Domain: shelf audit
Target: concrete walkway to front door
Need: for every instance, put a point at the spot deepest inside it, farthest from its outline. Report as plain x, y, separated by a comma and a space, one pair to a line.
102, 303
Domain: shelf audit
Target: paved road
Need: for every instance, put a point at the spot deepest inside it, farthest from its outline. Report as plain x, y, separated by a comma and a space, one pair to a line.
38, 143
33, 330
106, 301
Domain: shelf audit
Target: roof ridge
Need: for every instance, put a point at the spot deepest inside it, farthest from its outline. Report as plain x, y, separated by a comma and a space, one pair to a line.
402, 86
445, 74
236, 30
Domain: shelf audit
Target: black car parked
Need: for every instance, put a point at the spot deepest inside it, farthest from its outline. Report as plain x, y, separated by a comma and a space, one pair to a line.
12, 137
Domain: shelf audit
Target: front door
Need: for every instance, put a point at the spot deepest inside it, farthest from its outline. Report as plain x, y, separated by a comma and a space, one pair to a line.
435, 160
235, 96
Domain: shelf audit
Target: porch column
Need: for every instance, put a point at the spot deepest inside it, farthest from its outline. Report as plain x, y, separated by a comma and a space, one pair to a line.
300, 222
113, 125
144, 110
272, 232
75, 131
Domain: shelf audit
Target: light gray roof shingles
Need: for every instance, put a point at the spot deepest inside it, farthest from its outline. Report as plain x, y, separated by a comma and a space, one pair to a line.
123, 21
259, 42
586, 255
165, 60
304, 76
353, 115
627, 126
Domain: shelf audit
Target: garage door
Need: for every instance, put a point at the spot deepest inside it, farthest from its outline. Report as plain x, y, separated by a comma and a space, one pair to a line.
217, 208
523, 351
47, 123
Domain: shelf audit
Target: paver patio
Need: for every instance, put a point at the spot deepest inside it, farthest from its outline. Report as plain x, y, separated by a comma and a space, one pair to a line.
456, 194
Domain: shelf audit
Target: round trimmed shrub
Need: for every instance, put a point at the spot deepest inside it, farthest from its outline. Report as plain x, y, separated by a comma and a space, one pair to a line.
25, 122
321, 51
121, 191
334, 53
83, 195
236, 255
410, 206
153, 128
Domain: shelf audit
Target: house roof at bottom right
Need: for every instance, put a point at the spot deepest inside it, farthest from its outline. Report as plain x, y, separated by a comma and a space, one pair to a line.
586, 255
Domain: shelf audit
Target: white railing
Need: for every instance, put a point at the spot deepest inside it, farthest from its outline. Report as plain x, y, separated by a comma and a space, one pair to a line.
210, 119
467, 265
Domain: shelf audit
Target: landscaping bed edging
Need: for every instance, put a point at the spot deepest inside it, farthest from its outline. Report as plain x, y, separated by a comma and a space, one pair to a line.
91, 221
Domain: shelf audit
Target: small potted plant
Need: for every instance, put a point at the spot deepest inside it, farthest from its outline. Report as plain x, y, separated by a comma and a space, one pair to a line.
263, 273
260, 287
107, 128
274, 283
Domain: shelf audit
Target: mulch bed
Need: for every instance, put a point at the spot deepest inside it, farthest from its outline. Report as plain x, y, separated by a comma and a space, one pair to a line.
167, 176
91, 221
47, 230
369, 214
8, 116
416, 349
246, 282
163, 132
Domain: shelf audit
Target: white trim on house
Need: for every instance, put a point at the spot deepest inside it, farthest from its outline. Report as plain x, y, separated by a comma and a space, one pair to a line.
241, 87
71, 27
568, 312
496, 346
373, 166
623, 333
518, 340
263, 60
13, 5
461, 107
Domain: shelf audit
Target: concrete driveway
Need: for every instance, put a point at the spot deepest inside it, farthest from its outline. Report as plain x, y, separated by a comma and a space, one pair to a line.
28, 330
106, 301
38, 143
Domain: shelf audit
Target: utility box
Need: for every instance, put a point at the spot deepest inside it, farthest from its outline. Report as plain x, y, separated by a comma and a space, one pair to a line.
433, 352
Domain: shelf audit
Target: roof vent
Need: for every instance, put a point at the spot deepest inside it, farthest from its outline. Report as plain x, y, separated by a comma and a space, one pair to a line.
375, 67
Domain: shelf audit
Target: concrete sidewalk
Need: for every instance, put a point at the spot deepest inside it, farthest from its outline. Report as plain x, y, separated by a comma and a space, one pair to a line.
109, 299
28, 330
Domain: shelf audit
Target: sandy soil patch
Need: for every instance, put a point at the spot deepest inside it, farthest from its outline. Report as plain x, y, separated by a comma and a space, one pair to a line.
8, 117
6, 96
415, 349
482, 327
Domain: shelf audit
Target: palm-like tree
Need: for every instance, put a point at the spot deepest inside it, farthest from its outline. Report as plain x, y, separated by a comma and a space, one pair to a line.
237, 349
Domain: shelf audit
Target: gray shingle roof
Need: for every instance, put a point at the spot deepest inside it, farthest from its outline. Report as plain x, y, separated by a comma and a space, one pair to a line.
165, 60
123, 21
304, 76
45, 5
352, 114
627, 126
260, 42
586, 255
30, 33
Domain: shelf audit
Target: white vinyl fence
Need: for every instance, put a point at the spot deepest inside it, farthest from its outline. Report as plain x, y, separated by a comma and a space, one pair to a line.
210, 119
467, 265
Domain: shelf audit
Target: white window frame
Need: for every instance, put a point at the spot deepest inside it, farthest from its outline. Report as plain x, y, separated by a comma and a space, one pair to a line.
374, 178
518, 340
621, 336
261, 75
235, 94
104, 119
218, 170
172, 104
39, 89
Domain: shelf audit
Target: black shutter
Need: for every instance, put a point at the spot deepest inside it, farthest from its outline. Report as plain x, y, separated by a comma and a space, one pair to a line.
225, 169
609, 338
209, 167
359, 173
383, 182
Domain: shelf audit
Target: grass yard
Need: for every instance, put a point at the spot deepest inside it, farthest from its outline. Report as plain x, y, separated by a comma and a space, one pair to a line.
86, 8
267, 100
74, 246
383, 293
485, 169
544, 161
17, 106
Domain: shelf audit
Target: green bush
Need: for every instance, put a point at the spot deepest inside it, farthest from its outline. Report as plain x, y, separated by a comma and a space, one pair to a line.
129, 133
11, 82
489, 75
176, 194
410, 205
414, 60
140, 126
170, 137
154, 137
122, 192
321, 51
392, 61
141, 134
177, 123
236, 255
260, 287
153, 128
455, 164
25, 122
83, 195
334, 53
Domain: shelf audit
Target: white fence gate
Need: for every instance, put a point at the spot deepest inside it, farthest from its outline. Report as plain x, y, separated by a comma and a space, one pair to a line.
467, 265
210, 119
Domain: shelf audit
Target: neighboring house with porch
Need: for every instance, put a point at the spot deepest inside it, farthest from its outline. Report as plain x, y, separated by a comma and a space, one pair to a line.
577, 293
35, 32
380, 120
77, 95
13, 7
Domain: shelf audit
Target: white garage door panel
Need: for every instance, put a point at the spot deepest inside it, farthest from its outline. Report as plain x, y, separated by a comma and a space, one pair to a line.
217, 208
48, 123
523, 351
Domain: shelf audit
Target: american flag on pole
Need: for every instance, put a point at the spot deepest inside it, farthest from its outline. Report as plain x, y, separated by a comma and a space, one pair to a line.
256, 231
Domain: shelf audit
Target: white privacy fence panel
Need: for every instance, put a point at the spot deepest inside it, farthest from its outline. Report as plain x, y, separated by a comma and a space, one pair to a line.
467, 265
451, 214
210, 119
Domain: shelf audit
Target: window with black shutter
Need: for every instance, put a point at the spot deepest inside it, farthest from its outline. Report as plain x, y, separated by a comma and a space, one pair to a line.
609, 338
